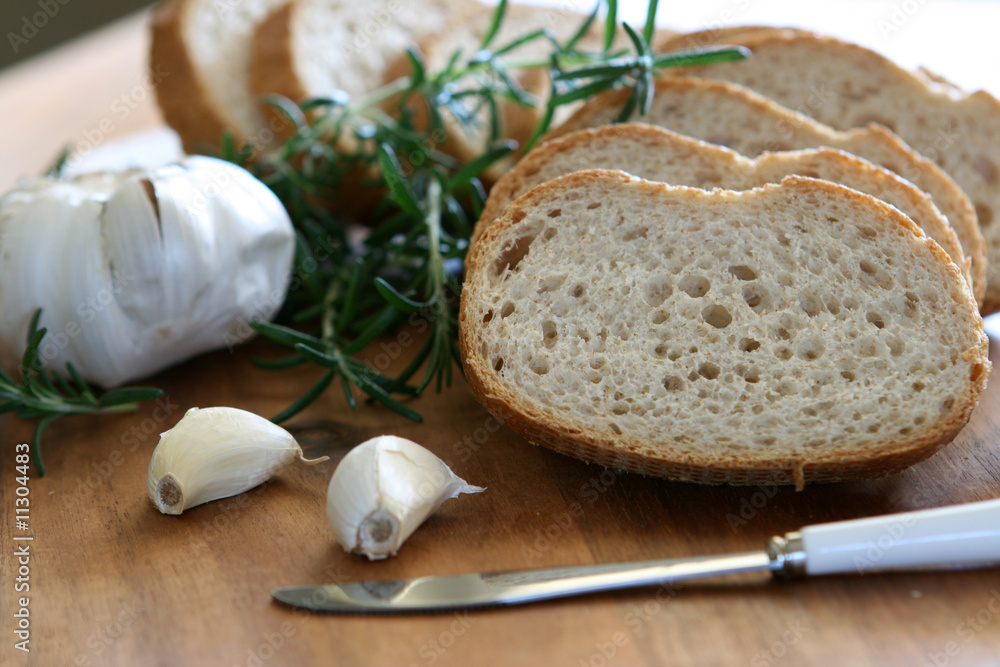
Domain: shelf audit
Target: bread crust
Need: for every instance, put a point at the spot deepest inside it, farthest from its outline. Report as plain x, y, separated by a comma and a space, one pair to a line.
559, 432
182, 93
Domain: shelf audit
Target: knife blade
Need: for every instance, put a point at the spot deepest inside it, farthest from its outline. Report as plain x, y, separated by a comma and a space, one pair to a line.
957, 536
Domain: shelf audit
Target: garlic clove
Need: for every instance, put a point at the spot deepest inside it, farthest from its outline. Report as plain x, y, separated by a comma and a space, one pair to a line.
215, 453
382, 491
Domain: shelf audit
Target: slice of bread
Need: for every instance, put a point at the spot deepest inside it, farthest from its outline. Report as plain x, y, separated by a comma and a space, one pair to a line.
845, 85
793, 333
734, 116
201, 49
312, 48
657, 154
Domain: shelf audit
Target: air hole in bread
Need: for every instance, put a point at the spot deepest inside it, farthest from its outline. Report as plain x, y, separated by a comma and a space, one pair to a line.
660, 350
660, 316
592, 205
487, 317
549, 233
743, 272
619, 409
614, 427
919, 386
756, 297
947, 404
656, 291
717, 316
784, 353
637, 233
782, 334
673, 383
788, 387
881, 278
675, 354
498, 364
850, 303
832, 304
695, 286
539, 366
919, 420
752, 376
811, 351
578, 291
985, 214
896, 347
549, 334
748, 345
555, 213
876, 319
597, 363
873, 428
810, 304
507, 310
512, 254
809, 411
847, 375
518, 215
708, 370
867, 233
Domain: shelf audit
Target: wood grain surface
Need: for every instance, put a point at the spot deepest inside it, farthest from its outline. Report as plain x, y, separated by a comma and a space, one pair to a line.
113, 582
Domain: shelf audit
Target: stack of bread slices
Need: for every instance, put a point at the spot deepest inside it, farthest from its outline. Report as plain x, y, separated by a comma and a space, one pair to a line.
777, 276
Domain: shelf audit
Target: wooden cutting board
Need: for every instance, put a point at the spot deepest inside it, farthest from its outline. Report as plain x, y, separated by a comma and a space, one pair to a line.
113, 582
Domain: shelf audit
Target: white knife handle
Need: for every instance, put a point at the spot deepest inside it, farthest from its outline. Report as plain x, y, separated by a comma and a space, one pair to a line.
947, 536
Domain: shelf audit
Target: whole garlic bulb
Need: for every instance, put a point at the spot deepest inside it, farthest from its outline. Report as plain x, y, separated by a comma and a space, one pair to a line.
381, 492
214, 453
138, 270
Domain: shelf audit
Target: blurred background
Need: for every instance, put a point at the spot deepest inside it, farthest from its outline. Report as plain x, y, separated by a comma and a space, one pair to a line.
30, 27
953, 37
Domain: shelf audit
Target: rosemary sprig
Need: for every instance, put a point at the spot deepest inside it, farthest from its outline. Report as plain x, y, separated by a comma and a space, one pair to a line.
47, 396
408, 267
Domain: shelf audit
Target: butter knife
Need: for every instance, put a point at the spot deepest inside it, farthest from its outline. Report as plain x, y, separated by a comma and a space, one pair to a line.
947, 537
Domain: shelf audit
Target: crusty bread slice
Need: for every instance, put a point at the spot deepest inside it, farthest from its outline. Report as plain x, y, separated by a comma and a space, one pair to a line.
201, 51
312, 48
657, 154
845, 85
794, 333
734, 116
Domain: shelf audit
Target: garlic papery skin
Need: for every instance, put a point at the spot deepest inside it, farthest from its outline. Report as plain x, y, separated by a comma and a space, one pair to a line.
214, 453
382, 491
138, 270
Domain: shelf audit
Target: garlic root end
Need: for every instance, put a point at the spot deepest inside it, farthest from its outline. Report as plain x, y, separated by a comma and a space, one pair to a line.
169, 495
377, 535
